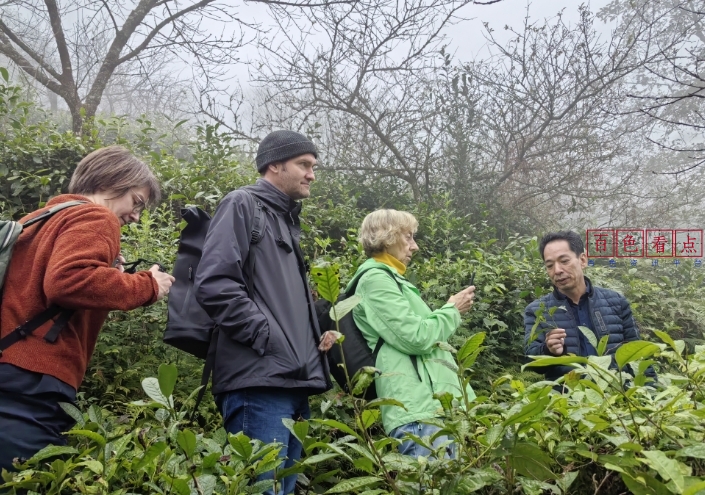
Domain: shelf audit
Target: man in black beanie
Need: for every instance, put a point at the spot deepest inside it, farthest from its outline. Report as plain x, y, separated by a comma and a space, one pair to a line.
252, 281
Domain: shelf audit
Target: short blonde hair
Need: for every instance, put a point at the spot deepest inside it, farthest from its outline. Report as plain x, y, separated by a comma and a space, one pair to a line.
383, 229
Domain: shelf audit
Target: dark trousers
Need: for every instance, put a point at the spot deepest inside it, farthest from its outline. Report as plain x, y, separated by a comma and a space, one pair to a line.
30, 415
258, 413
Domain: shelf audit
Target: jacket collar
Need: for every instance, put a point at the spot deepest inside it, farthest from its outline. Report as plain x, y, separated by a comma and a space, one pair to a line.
562, 297
274, 199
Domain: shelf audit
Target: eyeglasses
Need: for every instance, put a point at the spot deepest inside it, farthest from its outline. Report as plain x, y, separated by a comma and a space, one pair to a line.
138, 204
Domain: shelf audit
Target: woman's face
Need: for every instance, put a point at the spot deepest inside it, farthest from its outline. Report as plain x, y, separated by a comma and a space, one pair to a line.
404, 249
127, 207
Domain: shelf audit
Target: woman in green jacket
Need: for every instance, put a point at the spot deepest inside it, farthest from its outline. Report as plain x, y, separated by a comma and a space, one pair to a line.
392, 309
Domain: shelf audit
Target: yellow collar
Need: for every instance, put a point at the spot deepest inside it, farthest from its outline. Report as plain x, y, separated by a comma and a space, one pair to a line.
390, 260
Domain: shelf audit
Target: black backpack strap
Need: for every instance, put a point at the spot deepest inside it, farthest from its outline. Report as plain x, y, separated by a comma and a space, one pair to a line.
256, 234
207, 370
28, 328
353, 288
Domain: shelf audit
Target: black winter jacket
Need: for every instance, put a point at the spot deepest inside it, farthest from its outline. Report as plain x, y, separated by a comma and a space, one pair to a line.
271, 341
610, 314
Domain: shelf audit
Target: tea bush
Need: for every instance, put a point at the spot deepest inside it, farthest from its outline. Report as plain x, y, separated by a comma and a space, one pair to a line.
610, 433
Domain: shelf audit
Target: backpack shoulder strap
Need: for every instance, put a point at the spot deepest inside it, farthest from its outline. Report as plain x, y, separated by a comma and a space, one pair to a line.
51, 211
353, 287
256, 234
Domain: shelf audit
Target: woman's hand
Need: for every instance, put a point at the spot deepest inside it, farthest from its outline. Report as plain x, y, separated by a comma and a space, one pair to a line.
463, 299
118, 263
164, 280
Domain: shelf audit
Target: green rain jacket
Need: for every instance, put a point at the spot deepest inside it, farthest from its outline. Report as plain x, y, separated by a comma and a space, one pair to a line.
409, 328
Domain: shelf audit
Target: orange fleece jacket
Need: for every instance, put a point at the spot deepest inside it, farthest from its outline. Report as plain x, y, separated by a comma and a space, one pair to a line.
68, 260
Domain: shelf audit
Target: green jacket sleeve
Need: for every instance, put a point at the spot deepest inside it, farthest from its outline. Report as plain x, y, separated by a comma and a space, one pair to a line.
390, 313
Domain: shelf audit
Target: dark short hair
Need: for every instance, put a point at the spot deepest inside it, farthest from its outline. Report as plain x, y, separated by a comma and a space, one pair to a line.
574, 241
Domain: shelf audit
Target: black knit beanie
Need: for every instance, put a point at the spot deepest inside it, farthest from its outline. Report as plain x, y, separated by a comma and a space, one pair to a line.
279, 146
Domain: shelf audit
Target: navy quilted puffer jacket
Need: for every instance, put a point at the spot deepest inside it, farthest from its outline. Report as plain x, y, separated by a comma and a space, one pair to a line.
610, 314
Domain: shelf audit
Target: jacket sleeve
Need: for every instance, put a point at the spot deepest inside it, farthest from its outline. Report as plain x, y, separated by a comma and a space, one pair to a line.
220, 282
80, 272
390, 314
537, 347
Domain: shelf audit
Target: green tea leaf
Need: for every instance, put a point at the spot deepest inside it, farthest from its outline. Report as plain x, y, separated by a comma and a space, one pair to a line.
149, 456
153, 390
53, 451
167, 378
369, 417
338, 311
471, 345
327, 281
602, 346
95, 437
241, 445
666, 467
589, 334
187, 441
74, 412
529, 411
348, 486
633, 351
529, 460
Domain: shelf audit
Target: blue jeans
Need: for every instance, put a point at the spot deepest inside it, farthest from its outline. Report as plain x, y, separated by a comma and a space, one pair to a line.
409, 447
258, 413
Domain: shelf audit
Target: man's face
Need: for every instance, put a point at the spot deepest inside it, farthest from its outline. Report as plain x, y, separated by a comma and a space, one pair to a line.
294, 176
564, 267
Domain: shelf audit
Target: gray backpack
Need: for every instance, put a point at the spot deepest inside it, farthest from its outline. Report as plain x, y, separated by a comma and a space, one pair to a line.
9, 233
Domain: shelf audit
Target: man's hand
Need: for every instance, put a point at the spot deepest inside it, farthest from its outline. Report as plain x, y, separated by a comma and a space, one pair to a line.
554, 341
328, 339
164, 280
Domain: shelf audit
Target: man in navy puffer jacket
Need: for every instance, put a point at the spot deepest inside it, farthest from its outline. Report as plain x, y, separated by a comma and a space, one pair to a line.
602, 311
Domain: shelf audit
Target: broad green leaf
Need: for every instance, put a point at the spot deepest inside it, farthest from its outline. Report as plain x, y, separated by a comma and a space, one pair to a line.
385, 402
152, 389
207, 483
348, 486
181, 486
91, 435
551, 360
73, 411
93, 465
666, 339
633, 351
471, 345
666, 467
187, 441
363, 379
298, 428
446, 400
5, 74
53, 451
695, 489
602, 345
241, 445
315, 459
327, 281
566, 480
338, 311
529, 460
528, 411
589, 334
331, 423
696, 450
369, 417
167, 378
601, 362
149, 456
